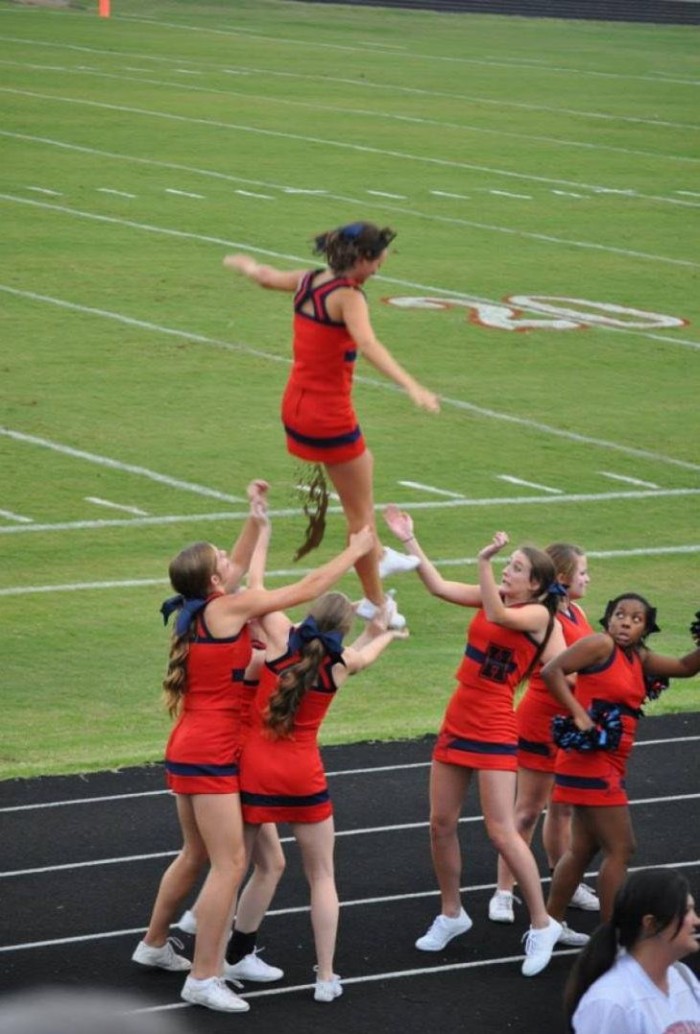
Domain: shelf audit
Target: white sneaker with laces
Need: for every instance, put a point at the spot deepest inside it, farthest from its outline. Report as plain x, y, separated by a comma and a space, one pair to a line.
213, 994
501, 907
443, 929
393, 562
187, 922
572, 938
328, 990
252, 967
164, 957
369, 611
539, 945
585, 898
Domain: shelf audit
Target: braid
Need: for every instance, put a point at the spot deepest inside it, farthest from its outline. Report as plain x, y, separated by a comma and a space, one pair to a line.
291, 687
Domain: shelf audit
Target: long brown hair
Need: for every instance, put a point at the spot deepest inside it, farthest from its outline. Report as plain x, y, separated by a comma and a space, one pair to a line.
190, 575
546, 592
332, 612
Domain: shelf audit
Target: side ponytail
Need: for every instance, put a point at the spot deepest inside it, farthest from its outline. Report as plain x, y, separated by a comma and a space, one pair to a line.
291, 687
594, 960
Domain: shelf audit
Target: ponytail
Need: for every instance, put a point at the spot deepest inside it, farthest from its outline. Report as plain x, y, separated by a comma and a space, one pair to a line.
291, 686
594, 960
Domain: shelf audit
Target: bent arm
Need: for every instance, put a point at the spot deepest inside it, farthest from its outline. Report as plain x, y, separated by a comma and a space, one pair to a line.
593, 649
365, 651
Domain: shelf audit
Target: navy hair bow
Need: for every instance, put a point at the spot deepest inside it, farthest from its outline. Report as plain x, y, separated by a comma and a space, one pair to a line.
352, 231
309, 630
556, 589
189, 608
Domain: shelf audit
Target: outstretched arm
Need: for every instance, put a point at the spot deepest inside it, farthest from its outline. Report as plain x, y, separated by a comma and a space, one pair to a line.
366, 649
266, 276
355, 315
400, 524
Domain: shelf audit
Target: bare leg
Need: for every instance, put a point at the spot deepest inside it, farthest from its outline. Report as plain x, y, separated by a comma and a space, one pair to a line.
617, 841
268, 862
316, 841
353, 483
584, 846
533, 788
218, 818
497, 793
180, 876
448, 788
556, 831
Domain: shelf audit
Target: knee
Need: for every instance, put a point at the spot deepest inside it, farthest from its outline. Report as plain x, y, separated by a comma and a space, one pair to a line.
526, 819
442, 826
501, 835
194, 857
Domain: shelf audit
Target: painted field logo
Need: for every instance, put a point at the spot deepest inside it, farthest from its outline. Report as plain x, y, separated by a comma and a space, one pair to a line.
548, 313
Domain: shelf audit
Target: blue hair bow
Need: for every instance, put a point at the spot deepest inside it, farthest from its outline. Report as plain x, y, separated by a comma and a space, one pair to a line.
556, 589
352, 231
188, 608
309, 630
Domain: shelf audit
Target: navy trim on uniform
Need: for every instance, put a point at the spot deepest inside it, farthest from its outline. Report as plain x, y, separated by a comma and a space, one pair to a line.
630, 712
481, 747
183, 768
324, 443
272, 800
581, 782
534, 747
350, 356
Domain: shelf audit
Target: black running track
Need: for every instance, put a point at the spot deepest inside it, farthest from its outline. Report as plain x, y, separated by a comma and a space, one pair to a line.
82, 857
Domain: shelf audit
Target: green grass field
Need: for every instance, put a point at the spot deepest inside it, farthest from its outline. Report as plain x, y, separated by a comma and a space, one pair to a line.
530, 159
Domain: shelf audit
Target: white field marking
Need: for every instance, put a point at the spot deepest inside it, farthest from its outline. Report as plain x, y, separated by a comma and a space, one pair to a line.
314, 45
250, 193
115, 506
303, 190
688, 193
335, 774
127, 468
117, 193
446, 193
383, 193
507, 193
341, 144
566, 193
470, 407
10, 516
628, 480
305, 488
184, 193
187, 71
500, 502
431, 488
530, 484
45, 190
368, 84
399, 827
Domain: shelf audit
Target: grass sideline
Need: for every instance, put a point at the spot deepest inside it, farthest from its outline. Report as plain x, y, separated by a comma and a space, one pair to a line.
514, 156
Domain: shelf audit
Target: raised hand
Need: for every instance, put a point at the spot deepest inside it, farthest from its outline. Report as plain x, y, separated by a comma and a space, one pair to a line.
499, 540
399, 522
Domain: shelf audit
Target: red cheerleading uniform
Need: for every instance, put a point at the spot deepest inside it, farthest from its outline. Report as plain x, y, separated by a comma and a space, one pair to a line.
283, 779
537, 707
597, 778
317, 412
202, 752
479, 728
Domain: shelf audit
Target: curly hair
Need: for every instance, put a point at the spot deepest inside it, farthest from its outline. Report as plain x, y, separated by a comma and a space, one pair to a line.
190, 575
333, 612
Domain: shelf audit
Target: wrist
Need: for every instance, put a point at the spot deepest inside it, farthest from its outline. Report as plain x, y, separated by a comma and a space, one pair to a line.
411, 538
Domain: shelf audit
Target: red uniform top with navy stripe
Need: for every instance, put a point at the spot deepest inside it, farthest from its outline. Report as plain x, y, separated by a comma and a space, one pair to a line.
597, 778
535, 711
479, 729
283, 779
202, 752
317, 412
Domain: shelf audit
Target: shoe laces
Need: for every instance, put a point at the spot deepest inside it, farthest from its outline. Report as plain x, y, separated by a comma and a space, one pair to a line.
175, 942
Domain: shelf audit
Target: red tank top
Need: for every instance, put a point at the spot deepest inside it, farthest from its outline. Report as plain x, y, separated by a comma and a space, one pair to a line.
215, 669
574, 624
495, 654
324, 351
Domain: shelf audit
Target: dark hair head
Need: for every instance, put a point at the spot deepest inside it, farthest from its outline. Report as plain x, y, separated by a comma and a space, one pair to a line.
565, 557
333, 612
542, 571
660, 893
346, 245
611, 606
192, 569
